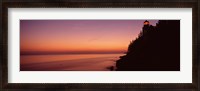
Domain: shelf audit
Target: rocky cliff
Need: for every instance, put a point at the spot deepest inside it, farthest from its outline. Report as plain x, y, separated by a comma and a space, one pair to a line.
157, 48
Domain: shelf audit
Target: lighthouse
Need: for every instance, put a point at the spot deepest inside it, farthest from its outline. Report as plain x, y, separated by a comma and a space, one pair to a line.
146, 23
145, 27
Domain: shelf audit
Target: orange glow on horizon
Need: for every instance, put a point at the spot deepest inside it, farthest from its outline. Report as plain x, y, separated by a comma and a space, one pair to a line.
62, 47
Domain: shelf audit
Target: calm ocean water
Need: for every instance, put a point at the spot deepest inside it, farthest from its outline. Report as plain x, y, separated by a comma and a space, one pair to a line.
68, 62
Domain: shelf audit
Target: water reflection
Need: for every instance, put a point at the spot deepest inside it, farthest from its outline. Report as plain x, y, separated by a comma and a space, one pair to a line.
73, 62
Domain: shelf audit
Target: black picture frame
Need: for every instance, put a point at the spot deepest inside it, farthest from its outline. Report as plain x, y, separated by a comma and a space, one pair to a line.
194, 4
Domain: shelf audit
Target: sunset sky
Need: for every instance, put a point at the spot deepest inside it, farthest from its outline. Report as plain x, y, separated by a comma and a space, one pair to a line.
78, 36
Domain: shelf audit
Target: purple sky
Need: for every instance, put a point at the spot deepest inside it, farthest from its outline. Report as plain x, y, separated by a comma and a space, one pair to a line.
78, 35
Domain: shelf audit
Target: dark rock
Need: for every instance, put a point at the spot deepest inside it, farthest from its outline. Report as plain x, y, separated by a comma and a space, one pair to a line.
157, 48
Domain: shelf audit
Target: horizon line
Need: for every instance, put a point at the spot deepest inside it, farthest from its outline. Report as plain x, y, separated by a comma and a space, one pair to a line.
58, 53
